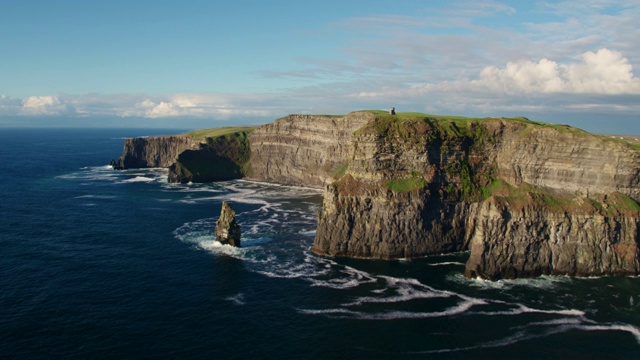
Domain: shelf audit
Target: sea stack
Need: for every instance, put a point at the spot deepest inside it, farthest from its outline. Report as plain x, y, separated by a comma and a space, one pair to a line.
227, 230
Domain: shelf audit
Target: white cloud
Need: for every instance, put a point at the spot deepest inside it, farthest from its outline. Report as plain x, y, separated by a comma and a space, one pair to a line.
45, 105
602, 72
163, 109
217, 106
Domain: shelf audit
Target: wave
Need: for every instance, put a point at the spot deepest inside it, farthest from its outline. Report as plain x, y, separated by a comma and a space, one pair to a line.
138, 179
448, 263
103, 197
237, 299
106, 173
458, 309
544, 282
519, 309
555, 327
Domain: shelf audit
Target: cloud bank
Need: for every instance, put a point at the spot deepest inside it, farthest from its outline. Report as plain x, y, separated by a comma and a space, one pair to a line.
601, 79
603, 72
45, 105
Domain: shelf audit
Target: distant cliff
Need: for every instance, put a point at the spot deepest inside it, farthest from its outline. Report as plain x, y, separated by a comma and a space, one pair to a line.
223, 154
158, 151
525, 198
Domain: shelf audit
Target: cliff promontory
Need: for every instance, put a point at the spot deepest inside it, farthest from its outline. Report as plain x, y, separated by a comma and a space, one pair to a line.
158, 151
223, 154
198, 156
525, 198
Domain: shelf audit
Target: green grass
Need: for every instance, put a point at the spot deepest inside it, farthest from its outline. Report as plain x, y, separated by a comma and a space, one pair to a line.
406, 185
452, 126
449, 126
340, 171
525, 195
619, 201
616, 139
217, 132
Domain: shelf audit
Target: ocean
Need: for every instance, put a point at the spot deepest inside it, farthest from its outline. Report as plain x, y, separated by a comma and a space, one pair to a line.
97, 263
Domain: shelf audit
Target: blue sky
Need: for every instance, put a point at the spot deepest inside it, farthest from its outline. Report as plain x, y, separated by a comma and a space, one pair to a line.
207, 63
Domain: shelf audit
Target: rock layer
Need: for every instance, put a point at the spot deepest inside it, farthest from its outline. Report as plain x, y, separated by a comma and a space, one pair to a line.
365, 221
159, 151
511, 243
303, 150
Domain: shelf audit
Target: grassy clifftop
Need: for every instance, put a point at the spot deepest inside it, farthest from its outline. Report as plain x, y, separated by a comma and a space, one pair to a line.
214, 133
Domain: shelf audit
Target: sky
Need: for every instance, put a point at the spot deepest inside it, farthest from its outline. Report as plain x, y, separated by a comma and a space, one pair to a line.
193, 64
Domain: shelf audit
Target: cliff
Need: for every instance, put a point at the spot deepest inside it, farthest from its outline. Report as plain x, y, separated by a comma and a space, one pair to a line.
222, 155
525, 198
198, 156
159, 151
597, 238
304, 150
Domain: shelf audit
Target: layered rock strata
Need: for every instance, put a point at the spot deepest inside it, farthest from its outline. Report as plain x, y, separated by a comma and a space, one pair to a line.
531, 241
158, 151
304, 150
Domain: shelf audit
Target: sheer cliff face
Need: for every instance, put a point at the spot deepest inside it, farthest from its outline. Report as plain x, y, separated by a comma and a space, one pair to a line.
161, 151
303, 150
567, 159
526, 199
532, 241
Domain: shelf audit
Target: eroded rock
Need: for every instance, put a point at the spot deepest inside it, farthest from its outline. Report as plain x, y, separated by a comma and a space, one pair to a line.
227, 230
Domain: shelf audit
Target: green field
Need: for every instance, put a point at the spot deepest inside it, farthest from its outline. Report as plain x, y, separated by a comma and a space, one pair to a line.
216, 132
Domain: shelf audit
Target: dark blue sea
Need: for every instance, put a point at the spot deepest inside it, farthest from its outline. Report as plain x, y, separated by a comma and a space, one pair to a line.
97, 263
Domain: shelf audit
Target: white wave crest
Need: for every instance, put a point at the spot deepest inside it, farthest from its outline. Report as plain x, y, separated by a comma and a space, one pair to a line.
104, 197
138, 179
458, 309
520, 309
237, 299
447, 263
542, 282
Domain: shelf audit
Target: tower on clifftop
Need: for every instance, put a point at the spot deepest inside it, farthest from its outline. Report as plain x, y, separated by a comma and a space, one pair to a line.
392, 111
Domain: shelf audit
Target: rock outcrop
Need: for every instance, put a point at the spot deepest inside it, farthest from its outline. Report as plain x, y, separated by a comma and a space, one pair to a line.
150, 152
221, 158
227, 230
510, 242
362, 220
